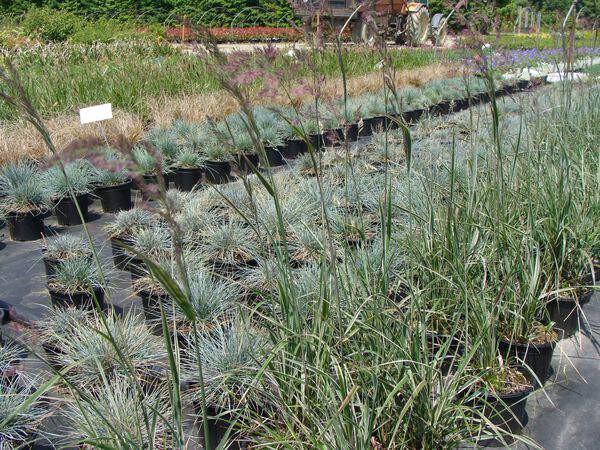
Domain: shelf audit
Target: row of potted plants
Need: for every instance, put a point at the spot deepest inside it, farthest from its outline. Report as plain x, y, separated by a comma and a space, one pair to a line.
452, 267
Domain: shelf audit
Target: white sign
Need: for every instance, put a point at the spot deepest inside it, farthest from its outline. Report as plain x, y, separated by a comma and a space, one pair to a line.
95, 113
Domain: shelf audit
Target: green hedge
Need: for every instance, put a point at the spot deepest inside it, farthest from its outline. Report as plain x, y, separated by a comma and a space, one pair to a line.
212, 12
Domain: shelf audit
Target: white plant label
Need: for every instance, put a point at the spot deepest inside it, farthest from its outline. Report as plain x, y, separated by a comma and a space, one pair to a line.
95, 113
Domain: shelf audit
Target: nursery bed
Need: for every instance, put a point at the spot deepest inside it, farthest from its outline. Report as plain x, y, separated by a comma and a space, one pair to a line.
565, 416
558, 416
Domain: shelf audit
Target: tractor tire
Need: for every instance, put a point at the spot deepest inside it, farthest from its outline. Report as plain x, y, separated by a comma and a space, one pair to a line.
364, 32
417, 27
439, 30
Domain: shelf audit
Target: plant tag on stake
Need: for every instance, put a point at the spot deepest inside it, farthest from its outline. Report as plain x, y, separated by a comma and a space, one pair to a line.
96, 113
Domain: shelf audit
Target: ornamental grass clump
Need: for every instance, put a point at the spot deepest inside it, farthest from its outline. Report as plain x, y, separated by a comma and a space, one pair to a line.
228, 247
212, 299
114, 173
99, 350
114, 414
127, 223
231, 356
21, 415
21, 189
67, 246
79, 180
76, 275
188, 158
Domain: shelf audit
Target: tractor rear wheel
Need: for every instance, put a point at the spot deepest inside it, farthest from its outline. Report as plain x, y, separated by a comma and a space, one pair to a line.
439, 30
364, 32
417, 27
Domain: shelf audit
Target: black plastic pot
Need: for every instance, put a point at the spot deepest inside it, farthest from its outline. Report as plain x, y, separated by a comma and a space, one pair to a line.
149, 181
351, 132
53, 354
228, 270
217, 172
564, 312
316, 141
27, 226
66, 212
115, 198
50, 266
333, 138
217, 426
413, 115
441, 108
523, 85
293, 148
534, 359
455, 348
461, 104
374, 124
243, 162
84, 300
151, 304
507, 411
135, 267
274, 156
187, 179
120, 256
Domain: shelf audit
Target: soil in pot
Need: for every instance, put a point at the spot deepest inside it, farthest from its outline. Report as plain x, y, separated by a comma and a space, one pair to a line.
217, 172
115, 198
66, 212
565, 312
83, 300
27, 226
187, 178
534, 359
274, 156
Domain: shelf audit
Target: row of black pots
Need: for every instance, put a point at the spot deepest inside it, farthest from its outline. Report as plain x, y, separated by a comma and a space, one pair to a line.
29, 226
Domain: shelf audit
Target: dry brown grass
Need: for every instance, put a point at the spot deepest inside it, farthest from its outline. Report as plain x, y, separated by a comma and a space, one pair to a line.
18, 140
196, 107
